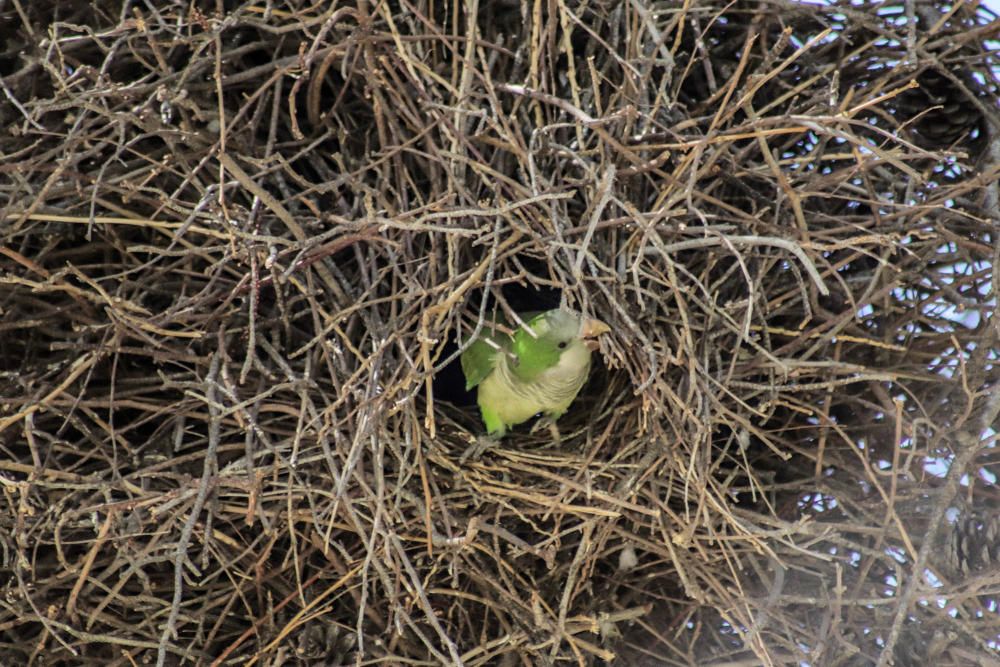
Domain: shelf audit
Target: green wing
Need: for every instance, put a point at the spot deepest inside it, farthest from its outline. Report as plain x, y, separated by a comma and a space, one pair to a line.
480, 357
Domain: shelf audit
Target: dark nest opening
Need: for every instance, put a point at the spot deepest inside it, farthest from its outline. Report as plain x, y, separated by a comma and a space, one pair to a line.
240, 245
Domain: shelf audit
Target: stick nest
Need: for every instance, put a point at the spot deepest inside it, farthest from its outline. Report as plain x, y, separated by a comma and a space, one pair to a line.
242, 246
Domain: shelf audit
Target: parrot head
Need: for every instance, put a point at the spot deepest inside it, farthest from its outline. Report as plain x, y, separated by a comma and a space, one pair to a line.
552, 339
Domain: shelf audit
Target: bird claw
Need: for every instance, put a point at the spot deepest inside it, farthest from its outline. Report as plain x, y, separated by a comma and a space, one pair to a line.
482, 444
549, 423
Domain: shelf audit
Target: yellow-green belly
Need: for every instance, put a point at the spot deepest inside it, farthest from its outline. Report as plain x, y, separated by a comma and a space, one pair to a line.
504, 402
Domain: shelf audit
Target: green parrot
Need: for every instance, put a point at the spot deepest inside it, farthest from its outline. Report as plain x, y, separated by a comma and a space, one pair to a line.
541, 370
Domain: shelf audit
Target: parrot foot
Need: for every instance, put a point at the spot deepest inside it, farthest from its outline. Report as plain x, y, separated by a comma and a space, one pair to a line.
548, 422
474, 451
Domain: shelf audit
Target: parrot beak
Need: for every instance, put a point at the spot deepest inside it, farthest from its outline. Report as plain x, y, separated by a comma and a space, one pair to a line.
592, 328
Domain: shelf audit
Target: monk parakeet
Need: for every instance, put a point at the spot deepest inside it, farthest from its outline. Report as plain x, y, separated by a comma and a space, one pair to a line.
541, 368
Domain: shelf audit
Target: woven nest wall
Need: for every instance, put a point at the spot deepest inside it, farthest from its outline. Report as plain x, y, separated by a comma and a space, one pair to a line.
241, 245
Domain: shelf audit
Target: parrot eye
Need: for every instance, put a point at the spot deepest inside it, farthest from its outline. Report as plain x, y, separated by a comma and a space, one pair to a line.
562, 345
